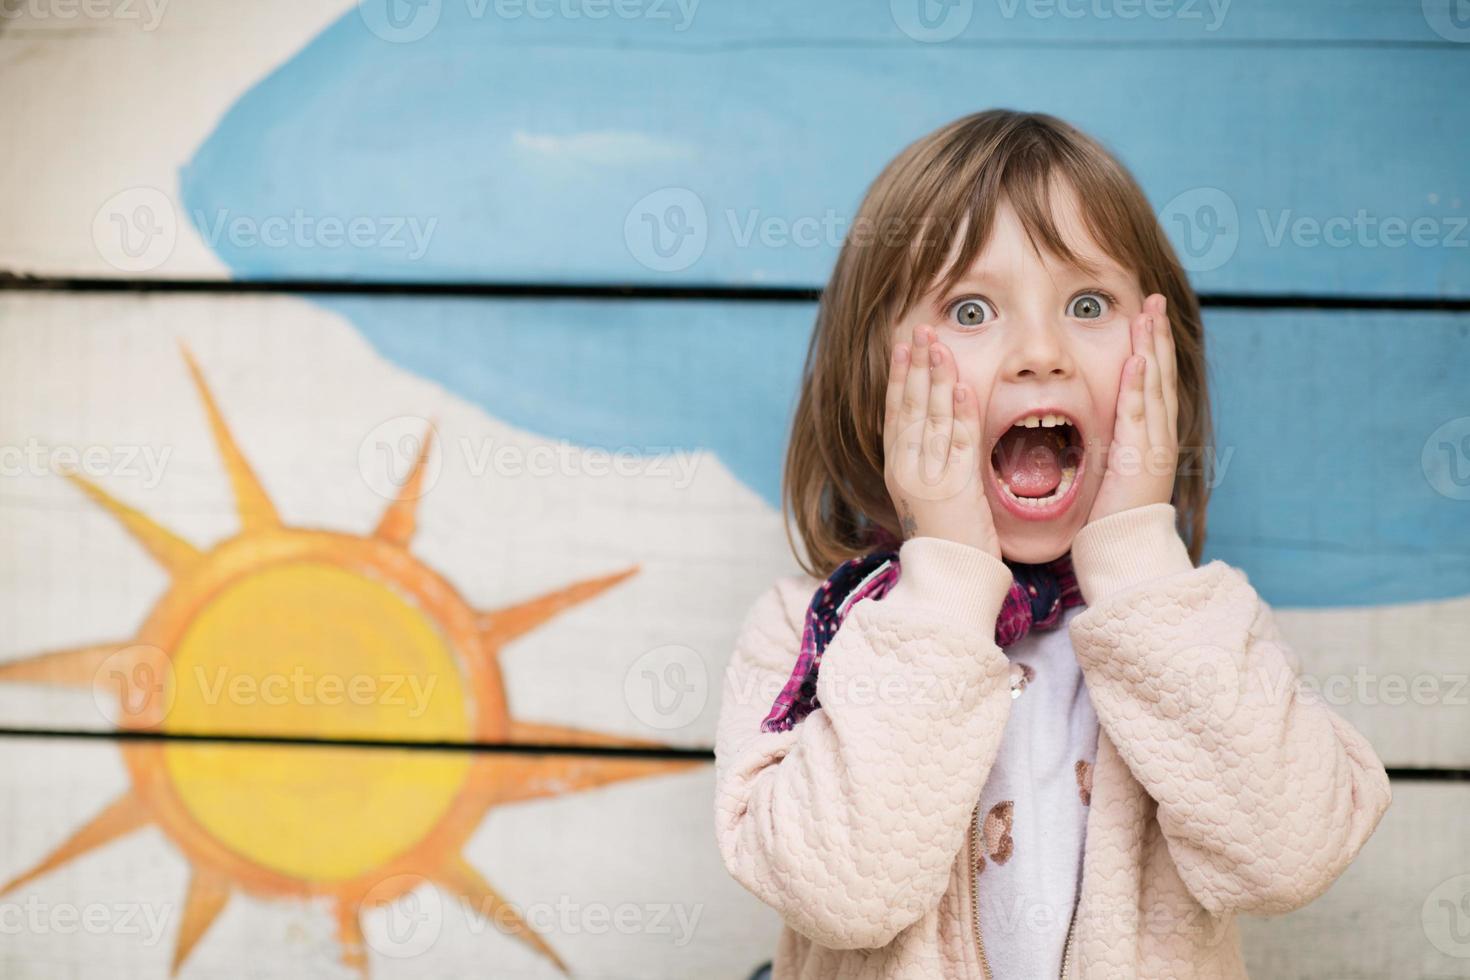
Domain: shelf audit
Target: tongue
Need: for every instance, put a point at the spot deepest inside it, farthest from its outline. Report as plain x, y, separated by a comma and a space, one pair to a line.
1027, 461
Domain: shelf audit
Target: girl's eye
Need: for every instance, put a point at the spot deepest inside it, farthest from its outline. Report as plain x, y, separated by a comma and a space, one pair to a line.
1090, 306
970, 312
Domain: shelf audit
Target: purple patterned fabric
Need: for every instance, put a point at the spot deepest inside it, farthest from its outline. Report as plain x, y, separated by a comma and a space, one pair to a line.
1038, 596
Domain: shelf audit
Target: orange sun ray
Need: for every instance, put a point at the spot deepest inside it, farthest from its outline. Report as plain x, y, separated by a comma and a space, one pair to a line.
500, 626
256, 511
208, 892
227, 850
167, 548
515, 778
122, 816
349, 936
74, 667
398, 521
459, 878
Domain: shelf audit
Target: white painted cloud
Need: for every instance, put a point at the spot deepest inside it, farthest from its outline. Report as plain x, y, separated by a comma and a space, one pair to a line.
604, 147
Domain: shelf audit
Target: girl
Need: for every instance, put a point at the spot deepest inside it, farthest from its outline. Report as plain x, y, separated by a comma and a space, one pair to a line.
1000, 434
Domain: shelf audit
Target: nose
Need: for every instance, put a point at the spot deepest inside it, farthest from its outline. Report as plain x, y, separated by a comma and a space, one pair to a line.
1038, 350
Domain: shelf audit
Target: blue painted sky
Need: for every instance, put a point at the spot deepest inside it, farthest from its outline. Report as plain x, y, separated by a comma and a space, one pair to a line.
532, 144
1322, 417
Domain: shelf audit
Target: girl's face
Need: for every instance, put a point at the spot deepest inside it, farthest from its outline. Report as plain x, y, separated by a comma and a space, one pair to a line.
1032, 336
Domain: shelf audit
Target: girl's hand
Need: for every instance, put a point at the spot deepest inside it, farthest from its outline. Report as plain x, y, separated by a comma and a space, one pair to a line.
931, 438
1144, 454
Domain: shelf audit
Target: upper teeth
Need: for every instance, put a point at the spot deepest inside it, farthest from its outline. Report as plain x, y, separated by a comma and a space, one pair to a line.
1045, 421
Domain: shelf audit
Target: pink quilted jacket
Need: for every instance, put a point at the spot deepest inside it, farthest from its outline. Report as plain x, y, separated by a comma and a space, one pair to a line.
1220, 785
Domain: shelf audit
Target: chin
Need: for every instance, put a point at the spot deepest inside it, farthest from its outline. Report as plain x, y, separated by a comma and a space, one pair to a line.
1035, 547
1036, 542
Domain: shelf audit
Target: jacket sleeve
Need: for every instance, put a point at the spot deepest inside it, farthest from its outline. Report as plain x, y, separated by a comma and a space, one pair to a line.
1264, 795
848, 824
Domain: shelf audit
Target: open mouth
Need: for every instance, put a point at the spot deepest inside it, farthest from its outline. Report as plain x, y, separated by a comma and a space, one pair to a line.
1036, 461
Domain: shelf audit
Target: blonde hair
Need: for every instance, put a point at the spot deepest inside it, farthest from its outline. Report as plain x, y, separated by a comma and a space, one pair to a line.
950, 182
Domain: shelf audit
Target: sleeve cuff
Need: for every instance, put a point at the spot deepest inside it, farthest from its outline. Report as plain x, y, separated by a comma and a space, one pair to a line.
1126, 549
962, 583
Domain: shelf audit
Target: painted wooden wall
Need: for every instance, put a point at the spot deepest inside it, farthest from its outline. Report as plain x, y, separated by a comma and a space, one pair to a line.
369, 559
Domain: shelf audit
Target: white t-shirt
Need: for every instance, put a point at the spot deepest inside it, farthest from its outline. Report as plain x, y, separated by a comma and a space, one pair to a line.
1033, 808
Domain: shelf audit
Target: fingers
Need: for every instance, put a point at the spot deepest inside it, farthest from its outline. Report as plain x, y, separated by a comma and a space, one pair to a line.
1168, 363
898, 372
1130, 430
965, 443
1144, 332
931, 422
1132, 417
1155, 411
914, 406
1132, 410
939, 423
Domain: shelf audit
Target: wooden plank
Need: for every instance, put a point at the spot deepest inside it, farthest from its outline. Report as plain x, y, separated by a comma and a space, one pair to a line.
644, 846
1324, 499
315, 862
1399, 909
762, 154
546, 584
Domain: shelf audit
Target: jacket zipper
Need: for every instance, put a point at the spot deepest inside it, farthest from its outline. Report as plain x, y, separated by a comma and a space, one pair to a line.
1067, 947
974, 903
973, 836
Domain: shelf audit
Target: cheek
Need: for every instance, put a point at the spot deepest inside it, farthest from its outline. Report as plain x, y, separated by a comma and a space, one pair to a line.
975, 369
903, 329
1103, 368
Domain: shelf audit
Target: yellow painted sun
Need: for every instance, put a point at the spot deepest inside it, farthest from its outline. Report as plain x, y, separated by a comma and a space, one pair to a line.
333, 637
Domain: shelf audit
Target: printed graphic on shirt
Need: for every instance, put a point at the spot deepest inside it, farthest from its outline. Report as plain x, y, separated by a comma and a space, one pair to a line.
1084, 781
1021, 675
995, 834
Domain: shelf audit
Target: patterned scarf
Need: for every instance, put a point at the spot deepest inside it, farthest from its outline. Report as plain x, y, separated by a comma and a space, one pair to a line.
1038, 596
